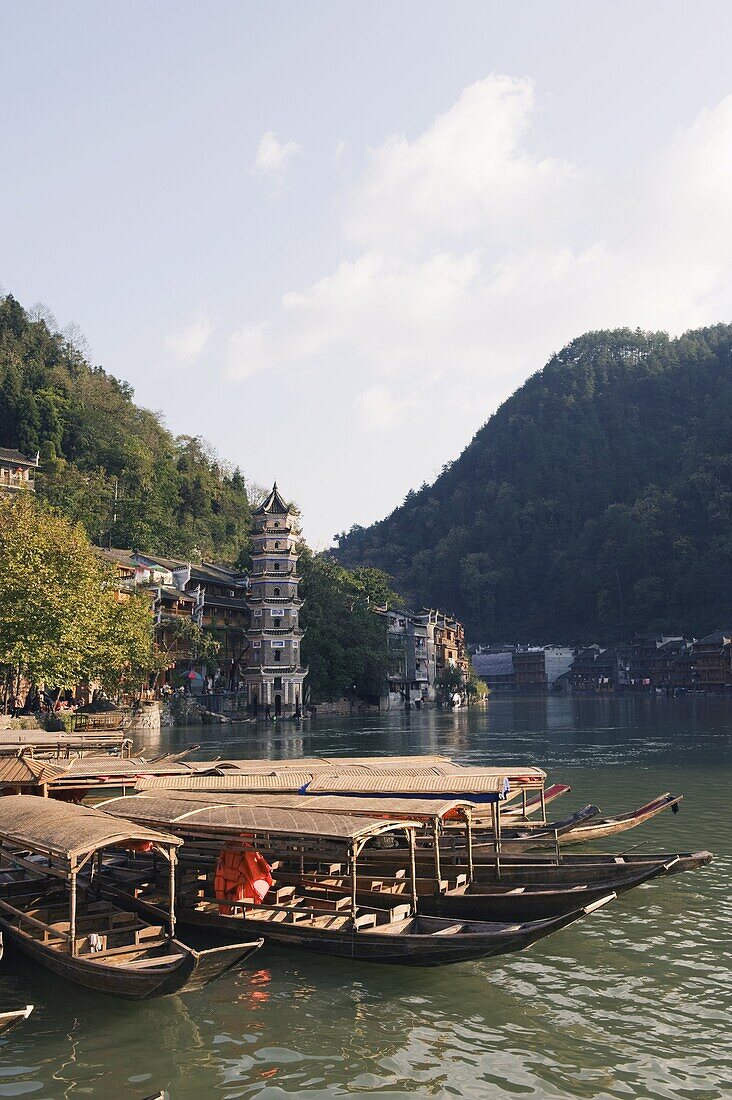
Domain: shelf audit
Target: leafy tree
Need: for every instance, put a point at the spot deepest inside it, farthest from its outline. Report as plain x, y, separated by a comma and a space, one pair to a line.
345, 642
107, 463
595, 503
61, 621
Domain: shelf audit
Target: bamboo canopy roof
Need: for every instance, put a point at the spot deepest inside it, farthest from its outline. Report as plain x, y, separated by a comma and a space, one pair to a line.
313, 763
184, 815
113, 766
412, 809
27, 771
483, 783
65, 831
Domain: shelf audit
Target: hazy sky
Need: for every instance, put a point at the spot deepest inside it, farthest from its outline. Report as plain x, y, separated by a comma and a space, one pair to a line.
332, 237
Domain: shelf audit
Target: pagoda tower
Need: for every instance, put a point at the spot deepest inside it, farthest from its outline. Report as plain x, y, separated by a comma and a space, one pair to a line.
274, 674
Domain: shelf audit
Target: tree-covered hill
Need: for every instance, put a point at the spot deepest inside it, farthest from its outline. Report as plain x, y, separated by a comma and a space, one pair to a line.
105, 461
595, 502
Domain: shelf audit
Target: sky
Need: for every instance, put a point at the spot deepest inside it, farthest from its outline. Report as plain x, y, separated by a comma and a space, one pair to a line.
332, 237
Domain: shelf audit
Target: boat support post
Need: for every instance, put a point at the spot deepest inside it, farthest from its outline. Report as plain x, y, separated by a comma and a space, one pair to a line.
436, 842
495, 819
172, 858
413, 867
543, 804
353, 871
72, 909
469, 839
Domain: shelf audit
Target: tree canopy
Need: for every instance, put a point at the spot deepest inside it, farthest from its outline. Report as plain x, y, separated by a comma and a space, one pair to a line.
106, 462
61, 619
345, 643
596, 502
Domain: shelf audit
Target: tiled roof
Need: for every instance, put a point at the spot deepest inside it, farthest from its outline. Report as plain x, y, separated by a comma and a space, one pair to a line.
273, 504
7, 454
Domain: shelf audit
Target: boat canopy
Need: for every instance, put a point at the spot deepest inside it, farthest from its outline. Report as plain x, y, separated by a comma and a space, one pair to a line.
68, 832
315, 763
200, 815
479, 785
414, 809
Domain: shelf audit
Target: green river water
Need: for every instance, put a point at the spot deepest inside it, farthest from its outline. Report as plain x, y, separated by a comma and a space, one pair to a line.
632, 1002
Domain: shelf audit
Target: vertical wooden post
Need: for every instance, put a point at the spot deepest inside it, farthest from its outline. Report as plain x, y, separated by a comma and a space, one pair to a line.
523, 802
353, 870
72, 911
436, 842
495, 815
171, 880
543, 804
469, 837
413, 869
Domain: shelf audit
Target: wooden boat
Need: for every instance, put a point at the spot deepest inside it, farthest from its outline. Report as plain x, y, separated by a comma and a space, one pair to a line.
535, 803
54, 915
581, 828
10, 1019
293, 915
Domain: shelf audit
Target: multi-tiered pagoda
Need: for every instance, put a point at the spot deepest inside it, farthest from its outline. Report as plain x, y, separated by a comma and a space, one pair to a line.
274, 673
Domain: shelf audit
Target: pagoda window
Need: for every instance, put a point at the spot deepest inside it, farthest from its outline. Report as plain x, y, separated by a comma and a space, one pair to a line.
276, 591
277, 655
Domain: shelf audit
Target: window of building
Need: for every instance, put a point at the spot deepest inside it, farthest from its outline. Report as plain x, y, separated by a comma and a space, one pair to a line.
277, 613
277, 565
276, 591
256, 645
279, 644
258, 614
277, 546
277, 656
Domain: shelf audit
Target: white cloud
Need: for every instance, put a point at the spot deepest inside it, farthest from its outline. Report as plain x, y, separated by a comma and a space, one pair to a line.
273, 156
190, 341
468, 172
247, 352
477, 257
380, 410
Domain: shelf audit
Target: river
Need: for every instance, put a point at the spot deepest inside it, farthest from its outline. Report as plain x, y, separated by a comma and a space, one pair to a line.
632, 1002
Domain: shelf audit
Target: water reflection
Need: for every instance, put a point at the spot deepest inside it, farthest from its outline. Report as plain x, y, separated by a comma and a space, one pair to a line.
633, 1002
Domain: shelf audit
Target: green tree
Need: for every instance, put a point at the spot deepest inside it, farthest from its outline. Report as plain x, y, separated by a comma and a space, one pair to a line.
345, 642
61, 621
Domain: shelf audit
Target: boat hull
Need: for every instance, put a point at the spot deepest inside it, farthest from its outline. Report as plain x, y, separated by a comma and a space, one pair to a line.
194, 969
416, 941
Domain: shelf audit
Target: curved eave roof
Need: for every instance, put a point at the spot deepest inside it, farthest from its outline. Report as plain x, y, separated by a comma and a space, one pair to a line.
67, 831
412, 809
202, 816
412, 783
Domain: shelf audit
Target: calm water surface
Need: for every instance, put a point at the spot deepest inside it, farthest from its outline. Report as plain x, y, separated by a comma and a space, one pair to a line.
633, 1002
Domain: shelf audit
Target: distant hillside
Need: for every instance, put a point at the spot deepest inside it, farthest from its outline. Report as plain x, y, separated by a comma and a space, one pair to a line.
107, 462
595, 502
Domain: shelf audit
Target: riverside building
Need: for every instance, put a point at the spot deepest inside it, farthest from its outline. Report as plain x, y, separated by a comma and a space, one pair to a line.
273, 674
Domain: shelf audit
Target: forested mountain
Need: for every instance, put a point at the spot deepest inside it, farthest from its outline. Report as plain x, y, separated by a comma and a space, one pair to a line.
597, 500
107, 462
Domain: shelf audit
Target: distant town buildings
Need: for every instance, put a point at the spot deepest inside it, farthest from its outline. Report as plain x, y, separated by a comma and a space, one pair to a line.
273, 673
422, 646
254, 617
17, 471
651, 663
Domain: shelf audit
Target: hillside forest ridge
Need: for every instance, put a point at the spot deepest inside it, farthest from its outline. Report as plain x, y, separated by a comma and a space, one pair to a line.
594, 503
115, 469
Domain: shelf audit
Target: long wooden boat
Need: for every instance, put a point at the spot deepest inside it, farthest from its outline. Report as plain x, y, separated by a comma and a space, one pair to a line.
532, 804
590, 827
51, 908
10, 1019
294, 916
